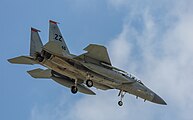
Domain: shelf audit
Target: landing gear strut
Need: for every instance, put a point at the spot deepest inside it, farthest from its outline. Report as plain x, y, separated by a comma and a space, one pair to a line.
121, 94
74, 88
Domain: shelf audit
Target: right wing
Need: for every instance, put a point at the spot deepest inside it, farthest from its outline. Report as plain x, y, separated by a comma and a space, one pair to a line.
96, 53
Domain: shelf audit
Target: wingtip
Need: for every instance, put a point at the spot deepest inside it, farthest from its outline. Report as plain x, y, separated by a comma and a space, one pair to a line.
9, 60
35, 30
54, 22
93, 93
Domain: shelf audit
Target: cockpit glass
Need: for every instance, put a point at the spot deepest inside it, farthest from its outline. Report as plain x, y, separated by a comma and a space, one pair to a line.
130, 76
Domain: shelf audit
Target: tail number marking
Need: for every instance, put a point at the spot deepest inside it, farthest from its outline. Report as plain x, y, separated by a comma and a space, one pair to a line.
58, 37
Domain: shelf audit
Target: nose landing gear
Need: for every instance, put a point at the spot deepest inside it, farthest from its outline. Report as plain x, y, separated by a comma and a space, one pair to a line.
121, 94
120, 103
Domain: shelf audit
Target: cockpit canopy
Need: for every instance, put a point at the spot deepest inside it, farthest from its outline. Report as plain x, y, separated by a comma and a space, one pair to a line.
129, 76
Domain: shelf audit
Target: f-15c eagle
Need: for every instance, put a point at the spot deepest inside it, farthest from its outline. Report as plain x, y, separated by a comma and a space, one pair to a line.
79, 73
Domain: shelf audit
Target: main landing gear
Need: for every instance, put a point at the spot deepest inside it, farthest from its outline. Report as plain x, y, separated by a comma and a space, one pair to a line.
121, 94
89, 82
74, 88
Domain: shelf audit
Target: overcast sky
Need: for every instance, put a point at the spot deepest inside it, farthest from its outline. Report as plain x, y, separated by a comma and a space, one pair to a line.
152, 39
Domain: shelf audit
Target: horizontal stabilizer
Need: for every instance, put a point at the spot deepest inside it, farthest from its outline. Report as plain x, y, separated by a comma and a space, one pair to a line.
22, 60
40, 73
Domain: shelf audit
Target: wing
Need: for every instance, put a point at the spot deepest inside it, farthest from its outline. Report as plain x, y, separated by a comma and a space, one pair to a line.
96, 53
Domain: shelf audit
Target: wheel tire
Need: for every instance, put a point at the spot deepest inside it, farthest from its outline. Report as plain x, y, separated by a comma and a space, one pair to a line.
47, 55
120, 103
40, 58
89, 83
74, 89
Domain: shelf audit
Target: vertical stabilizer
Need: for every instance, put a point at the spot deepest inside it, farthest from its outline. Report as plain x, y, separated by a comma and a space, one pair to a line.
55, 35
35, 42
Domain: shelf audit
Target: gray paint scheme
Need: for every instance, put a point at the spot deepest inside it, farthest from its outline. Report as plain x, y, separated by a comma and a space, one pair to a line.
36, 43
92, 68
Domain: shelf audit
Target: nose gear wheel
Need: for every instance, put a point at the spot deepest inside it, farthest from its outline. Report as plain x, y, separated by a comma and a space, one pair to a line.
121, 94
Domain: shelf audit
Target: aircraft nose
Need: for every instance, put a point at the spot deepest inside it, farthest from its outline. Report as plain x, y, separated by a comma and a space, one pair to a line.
158, 100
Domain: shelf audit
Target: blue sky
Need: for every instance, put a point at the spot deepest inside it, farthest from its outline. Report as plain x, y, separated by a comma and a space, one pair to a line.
152, 39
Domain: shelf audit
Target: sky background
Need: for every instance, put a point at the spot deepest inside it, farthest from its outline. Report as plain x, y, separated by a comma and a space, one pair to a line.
152, 39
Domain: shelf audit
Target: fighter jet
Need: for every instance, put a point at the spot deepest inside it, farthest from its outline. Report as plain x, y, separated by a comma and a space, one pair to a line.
80, 72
